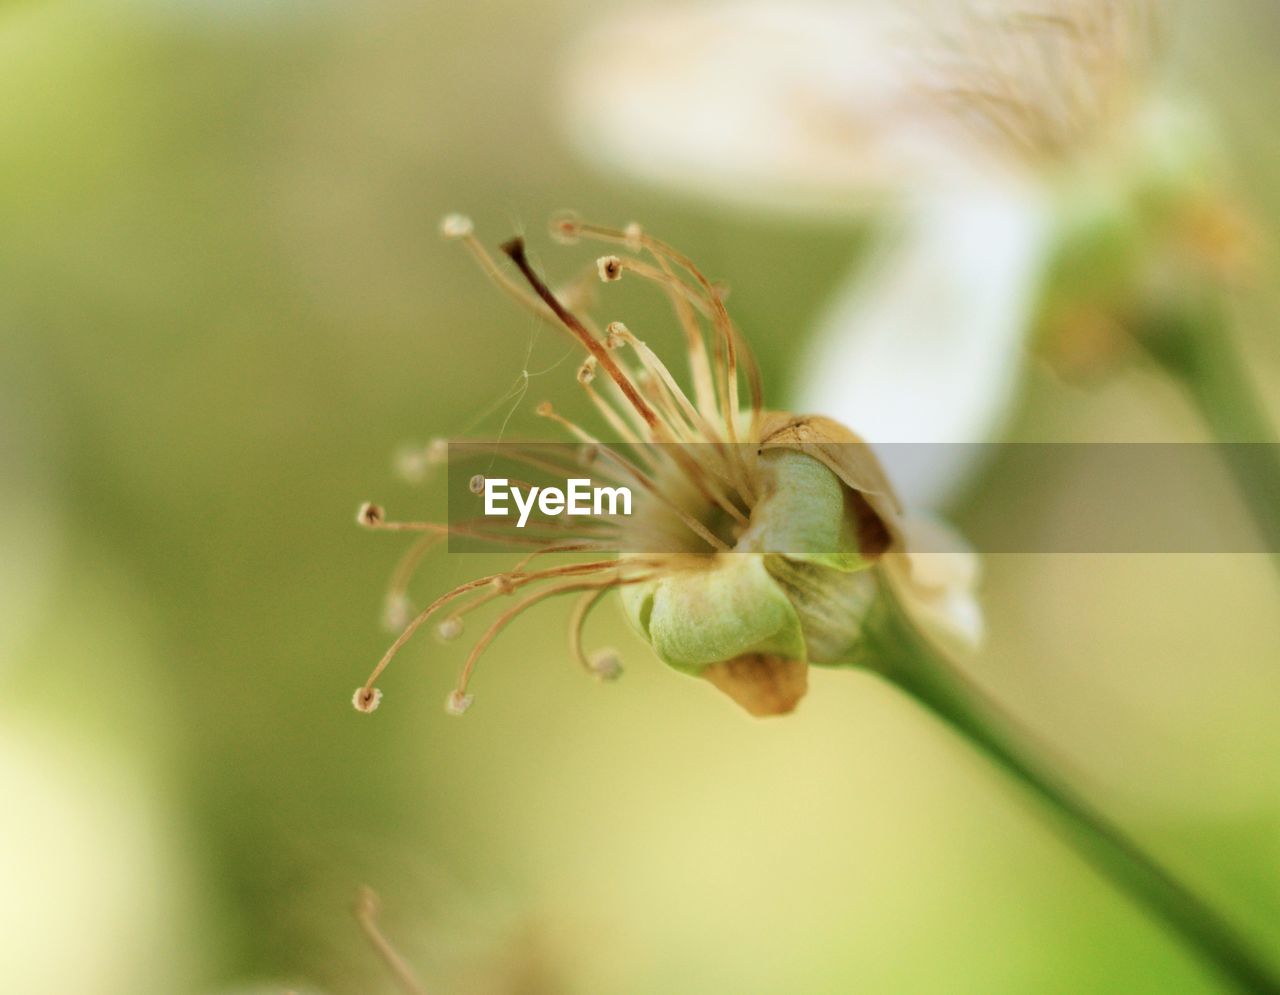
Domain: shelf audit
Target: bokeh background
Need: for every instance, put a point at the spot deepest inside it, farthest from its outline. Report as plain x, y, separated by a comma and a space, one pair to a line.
224, 305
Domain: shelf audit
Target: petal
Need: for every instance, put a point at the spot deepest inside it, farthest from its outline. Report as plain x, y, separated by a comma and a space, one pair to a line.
927, 346
935, 578
811, 106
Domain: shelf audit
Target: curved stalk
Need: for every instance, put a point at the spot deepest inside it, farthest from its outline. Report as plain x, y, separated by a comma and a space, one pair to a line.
1194, 346
907, 660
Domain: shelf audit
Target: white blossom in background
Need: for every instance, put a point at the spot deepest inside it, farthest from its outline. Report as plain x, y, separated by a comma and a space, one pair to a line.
971, 132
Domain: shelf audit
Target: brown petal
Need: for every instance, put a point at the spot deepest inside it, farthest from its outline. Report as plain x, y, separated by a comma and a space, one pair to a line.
763, 685
846, 455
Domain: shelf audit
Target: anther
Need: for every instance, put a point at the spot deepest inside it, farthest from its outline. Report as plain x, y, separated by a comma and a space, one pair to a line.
616, 335
370, 515
476, 484
606, 665
454, 226
566, 228
450, 629
457, 703
588, 453
411, 464
610, 268
366, 699
634, 236
587, 371
503, 584
544, 410
397, 612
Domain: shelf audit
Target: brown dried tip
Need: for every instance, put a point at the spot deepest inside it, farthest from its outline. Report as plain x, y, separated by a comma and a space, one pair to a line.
763, 685
587, 371
370, 515
610, 268
456, 226
366, 699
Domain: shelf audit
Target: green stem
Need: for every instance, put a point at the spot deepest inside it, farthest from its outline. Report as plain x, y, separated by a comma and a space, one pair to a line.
1192, 343
907, 660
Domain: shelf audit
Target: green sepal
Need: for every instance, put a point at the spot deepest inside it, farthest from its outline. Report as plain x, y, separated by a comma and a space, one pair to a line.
805, 514
833, 607
709, 614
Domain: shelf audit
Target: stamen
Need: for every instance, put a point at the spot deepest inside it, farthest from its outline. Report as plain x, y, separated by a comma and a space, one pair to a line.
610, 268
728, 344
615, 421
508, 616
368, 693
396, 612
695, 344
366, 913
366, 699
720, 317
564, 228
536, 459
450, 629
486, 530
371, 515
545, 410
455, 226
650, 361
569, 547
414, 463
695, 429
552, 573
515, 249
603, 664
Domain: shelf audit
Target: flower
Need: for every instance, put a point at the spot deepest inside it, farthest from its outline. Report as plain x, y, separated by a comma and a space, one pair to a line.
760, 542
997, 144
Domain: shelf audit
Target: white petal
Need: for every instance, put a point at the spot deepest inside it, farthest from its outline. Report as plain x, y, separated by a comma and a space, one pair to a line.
926, 345
935, 575
796, 105
938, 556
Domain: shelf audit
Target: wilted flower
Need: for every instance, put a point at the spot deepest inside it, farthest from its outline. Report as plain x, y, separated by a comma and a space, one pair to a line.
1009, 140
760, 542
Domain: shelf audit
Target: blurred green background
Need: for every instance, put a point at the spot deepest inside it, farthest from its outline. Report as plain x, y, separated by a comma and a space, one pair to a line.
224, 305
